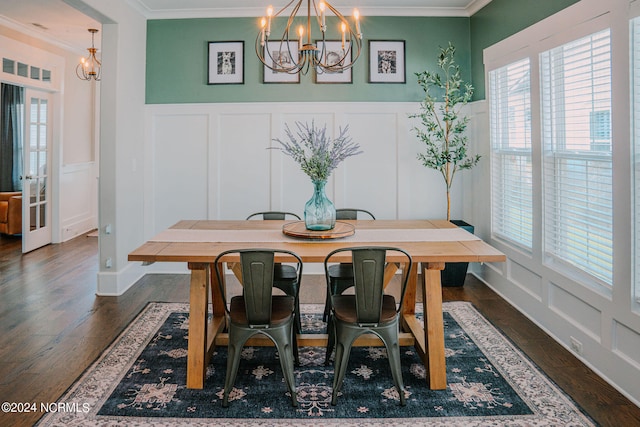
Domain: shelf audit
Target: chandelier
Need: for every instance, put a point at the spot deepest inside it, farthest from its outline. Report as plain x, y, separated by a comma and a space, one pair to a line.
89, 67
288, 55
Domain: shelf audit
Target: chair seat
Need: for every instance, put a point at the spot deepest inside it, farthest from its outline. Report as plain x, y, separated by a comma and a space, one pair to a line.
341, 271
344, 307
284, 272
281, 309
340, 279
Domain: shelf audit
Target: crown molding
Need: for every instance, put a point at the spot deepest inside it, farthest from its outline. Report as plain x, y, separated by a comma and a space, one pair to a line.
254, 12
476, 5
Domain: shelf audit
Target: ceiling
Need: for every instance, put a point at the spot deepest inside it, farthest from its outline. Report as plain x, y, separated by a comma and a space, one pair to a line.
58, 22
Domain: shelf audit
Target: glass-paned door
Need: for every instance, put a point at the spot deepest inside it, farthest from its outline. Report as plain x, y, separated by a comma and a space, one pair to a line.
36, 191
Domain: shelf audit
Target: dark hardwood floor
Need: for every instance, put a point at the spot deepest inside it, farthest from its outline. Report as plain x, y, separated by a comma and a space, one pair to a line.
54, 326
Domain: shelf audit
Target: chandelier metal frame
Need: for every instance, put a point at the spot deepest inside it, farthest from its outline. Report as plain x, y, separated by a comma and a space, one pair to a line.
86, 69
309, 55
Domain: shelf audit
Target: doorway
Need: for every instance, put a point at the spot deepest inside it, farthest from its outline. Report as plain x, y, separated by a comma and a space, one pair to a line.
26, 159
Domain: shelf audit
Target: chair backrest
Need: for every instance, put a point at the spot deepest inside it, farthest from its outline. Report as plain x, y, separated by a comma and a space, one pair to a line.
273, 215
369, 264
257, 281
351, 213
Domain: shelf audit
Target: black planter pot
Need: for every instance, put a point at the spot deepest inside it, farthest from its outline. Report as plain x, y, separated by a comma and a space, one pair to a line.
454, 273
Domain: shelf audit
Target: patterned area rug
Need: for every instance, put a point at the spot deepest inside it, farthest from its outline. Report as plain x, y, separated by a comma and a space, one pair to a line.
139, 380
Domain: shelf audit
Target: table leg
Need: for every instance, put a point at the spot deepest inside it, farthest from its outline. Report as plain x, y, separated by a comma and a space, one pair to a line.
217, 298
390, 271
409, 303
434, 326
198, 322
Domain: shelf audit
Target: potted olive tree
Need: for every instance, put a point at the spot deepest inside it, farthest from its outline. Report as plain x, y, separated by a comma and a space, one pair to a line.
442, 131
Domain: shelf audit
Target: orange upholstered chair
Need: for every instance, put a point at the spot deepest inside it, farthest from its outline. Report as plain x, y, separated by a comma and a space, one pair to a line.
11, 212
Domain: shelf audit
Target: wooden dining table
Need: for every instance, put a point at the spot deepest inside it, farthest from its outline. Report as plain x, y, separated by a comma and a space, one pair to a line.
431, 244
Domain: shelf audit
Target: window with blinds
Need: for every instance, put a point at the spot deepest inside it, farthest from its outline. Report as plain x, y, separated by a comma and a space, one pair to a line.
635, 111
577, 162
511, 169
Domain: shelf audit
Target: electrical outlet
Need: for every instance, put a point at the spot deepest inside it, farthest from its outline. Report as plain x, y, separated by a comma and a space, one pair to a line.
576, 345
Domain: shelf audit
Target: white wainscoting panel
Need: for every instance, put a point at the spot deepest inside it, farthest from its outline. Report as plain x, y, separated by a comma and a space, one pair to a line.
626, 343
375, 171
526, 279
213, 161
241, 165
79, 200
179, 176
578, 312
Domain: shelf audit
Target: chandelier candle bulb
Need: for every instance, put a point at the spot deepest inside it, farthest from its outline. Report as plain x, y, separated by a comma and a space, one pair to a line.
301, 34
269, 14
263, 24
356, 15
344, 30
322, 16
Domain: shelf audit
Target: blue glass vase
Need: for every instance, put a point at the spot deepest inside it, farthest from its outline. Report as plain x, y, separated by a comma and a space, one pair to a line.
319, 212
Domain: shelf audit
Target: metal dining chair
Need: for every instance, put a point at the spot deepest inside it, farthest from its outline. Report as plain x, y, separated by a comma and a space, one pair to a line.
352, 213
341, 275
368, 310
273, 215
258, 311
284, 276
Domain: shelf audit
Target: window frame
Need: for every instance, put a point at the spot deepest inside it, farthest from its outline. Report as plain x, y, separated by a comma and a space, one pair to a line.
501, 153
561, 240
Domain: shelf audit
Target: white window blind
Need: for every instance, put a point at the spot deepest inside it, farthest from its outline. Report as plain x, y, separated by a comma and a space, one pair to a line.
635, 107
577, 170
511, 171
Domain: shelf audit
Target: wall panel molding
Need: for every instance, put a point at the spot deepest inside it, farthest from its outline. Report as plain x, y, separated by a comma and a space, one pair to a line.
78, 185
218, 161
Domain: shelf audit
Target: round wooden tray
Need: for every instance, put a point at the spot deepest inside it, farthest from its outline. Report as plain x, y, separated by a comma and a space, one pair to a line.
298, 229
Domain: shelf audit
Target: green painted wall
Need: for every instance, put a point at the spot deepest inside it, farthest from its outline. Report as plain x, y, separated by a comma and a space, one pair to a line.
501, 19
177, 55
177, 61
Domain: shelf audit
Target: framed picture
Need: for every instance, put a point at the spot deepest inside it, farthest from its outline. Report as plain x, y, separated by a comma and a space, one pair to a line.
386, 61
279, 53
226, 63
333, 52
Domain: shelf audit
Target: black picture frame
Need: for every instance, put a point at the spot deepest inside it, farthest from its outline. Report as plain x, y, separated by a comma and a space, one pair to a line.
387, 63
271, 76
225, 63
342, 77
